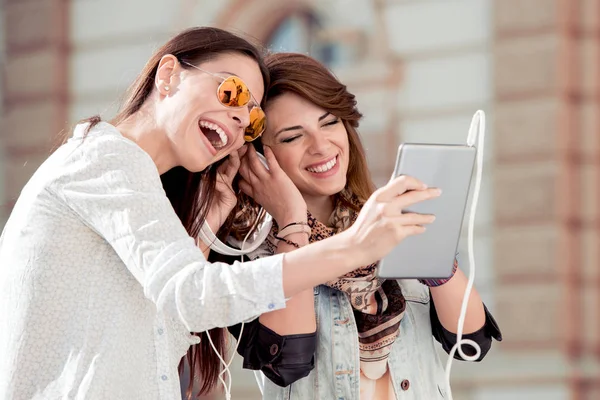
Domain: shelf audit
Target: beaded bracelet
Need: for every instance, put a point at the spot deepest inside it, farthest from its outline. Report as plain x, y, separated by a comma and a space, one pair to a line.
294, 227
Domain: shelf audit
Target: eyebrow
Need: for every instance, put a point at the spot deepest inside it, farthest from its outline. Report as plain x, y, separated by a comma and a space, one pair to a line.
296, 127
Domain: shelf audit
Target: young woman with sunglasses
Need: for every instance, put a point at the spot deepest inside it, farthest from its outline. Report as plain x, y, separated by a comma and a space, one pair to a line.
374, 338
101, 274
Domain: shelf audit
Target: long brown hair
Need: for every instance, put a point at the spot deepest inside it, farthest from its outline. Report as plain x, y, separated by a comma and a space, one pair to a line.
191, 194
308, 78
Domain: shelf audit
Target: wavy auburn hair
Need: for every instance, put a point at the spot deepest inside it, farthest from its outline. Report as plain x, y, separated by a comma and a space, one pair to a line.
308, 78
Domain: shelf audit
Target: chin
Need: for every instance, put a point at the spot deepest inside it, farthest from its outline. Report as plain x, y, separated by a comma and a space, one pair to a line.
333, 189
196, 167
323, 187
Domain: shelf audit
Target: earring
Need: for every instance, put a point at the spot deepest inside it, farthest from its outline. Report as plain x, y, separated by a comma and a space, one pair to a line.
167, 88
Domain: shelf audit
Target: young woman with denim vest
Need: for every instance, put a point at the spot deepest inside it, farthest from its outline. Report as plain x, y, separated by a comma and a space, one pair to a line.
356, 337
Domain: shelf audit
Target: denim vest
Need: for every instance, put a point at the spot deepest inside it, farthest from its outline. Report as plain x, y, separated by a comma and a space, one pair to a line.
415, 367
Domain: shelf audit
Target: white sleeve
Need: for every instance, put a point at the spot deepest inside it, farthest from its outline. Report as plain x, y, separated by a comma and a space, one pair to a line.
114, 187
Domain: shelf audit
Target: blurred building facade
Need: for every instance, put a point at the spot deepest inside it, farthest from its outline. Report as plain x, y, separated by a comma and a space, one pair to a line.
420, 69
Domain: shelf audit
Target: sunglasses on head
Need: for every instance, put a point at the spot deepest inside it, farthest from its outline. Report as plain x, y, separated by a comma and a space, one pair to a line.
233, 92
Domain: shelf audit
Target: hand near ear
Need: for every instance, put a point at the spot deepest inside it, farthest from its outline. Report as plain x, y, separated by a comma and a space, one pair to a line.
271, 188
225, 198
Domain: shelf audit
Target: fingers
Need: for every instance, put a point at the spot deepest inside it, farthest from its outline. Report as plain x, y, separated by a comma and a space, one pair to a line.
229, 168
413, 197
242, 150
412, 230
398, 186
409, 219
271, 160
255, 164
252, 171
409, 224
246, 172
246, 188
233, 164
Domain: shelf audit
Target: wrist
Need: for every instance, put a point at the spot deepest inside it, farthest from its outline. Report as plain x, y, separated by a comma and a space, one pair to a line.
349, 249
298, 218
295, 240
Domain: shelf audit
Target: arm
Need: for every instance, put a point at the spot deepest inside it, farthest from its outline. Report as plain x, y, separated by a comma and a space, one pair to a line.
285, 341
113, 187
380, 226
446, 303
299, 314
282, 358
448, 299
280, 343
483, 336
282, 199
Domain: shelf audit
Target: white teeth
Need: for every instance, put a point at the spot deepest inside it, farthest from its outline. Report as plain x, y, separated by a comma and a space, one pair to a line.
217, 129
324, 167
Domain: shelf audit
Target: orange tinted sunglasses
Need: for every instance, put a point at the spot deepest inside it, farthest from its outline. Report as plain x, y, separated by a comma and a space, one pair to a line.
233, 92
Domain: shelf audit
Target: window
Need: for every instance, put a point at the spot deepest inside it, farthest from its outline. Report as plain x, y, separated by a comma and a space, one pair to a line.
300, 33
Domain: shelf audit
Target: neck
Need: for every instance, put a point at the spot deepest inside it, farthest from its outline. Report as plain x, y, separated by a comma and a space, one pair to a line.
142, 129
320, 207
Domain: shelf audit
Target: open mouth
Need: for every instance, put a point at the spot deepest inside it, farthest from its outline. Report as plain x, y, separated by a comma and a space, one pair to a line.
215, 135
328, 166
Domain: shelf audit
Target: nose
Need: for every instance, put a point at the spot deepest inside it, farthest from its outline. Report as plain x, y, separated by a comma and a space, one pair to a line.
240, 116
319, 143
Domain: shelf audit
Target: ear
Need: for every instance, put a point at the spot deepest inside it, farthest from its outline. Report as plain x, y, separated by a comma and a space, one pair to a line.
164, 80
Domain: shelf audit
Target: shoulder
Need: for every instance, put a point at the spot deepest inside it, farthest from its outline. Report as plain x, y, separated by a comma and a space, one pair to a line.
106, 144
104, 155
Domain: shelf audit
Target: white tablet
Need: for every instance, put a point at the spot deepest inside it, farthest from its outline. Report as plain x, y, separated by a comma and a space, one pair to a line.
430, 255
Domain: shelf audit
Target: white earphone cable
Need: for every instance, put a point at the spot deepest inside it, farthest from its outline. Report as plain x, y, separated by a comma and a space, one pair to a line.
476, 131
227, 386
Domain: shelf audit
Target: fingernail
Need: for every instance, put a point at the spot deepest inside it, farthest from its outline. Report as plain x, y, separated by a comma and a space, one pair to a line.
438, 192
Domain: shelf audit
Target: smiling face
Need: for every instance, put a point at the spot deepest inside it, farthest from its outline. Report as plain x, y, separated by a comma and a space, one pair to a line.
200, 128
310, 144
